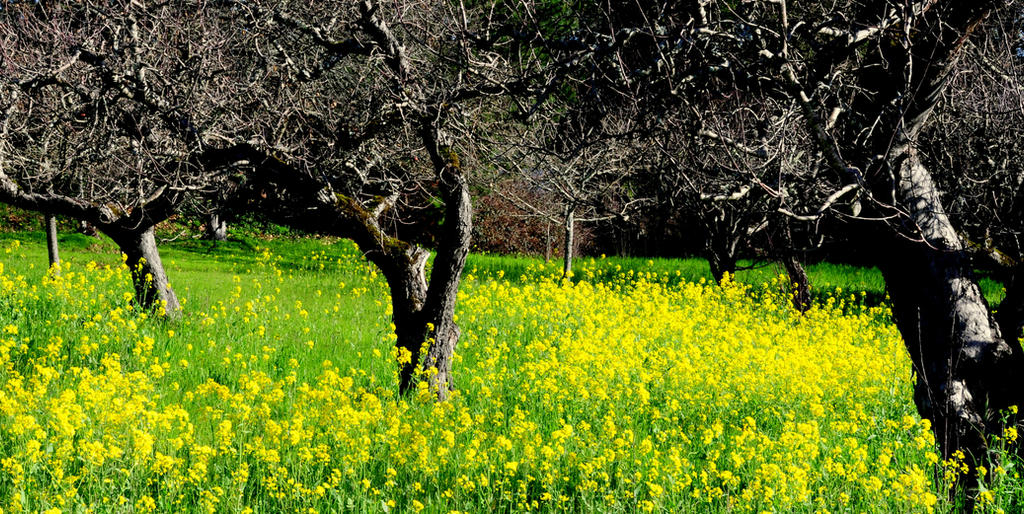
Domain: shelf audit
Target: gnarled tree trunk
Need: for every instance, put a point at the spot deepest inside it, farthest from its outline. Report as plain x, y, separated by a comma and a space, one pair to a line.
423, 311
966, 372
152, 289
721, 263
445, 278
404, 268
799, 281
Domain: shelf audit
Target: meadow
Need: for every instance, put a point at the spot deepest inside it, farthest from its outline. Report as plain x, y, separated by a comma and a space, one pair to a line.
637, 386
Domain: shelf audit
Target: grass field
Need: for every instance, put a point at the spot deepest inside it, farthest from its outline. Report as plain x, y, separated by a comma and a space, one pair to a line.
636, 387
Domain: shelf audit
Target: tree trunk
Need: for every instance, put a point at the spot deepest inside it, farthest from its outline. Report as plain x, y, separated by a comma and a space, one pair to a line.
152, 289
446, 274
547, 241
721, 241
964, 369
444, 288
408, 283
569, 243
216, 228
424, 313
50, 221
721, 254
799, 282
966, 372
720, 264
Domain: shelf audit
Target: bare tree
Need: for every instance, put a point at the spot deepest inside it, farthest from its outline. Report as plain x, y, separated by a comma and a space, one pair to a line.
863, 79
362, 123
574, 172
99, 119
866, 84
975, 147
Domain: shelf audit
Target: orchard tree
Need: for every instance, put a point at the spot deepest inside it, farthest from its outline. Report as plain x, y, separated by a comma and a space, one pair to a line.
570, 172
975, 146
861, 79
99, 119
362, 123
866, 78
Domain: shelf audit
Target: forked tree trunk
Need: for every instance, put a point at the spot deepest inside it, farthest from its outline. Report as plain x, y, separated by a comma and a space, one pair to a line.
445, 278
424, 313
721, 250
152, 289
216, 228
52, 250
721, 239
799, 282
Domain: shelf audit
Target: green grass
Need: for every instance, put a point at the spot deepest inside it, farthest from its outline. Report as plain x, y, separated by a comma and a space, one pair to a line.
273, 329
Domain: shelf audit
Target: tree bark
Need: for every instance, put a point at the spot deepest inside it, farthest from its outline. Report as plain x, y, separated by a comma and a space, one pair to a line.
216, 228
405, 273
452, 249
966, 372
799, 282
424, 312
569, 243
547, 241
721, 263
50, 221
721, 241
152, 289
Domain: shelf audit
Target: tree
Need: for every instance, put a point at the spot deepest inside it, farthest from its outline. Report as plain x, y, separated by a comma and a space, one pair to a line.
573, 173
361, 126
866, 85
863, 79
975, 144
99, 120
